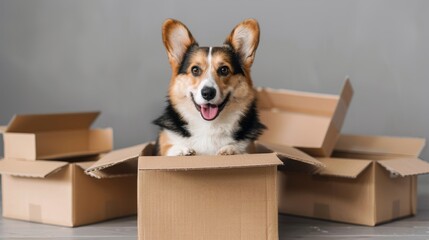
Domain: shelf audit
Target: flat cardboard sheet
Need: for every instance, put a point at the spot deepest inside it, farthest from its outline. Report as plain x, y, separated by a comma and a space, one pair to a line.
309, 121
380, 145
25, 168
51, 122
342, 167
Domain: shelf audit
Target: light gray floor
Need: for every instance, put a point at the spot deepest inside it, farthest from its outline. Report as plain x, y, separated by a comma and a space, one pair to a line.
289, 227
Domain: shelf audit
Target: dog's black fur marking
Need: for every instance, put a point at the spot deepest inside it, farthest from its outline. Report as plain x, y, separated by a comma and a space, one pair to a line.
228, 50
171, 120
184, 65
156, 148
250, 126
233, 57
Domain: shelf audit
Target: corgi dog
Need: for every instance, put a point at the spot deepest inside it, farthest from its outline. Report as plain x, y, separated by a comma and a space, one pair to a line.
211, 106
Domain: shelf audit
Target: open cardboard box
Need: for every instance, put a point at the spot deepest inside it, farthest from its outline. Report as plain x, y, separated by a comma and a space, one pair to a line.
54, 136
309, 121
205, 197
60, 193
368, 181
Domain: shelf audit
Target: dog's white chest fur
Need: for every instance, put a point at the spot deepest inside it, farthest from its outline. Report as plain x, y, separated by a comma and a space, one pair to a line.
207, 137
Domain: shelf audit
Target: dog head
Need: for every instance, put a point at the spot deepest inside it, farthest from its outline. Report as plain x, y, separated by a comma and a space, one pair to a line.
211, 80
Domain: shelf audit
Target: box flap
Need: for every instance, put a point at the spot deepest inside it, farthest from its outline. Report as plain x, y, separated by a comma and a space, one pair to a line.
85, 165
288, 153
51, 122
208, 162
3, 129
347, 91
380, 145
342, 167
308, 121
117, 163
25, 168
405, 166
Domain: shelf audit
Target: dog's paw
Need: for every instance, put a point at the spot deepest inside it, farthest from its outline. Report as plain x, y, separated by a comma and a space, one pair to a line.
228, 150
183, 151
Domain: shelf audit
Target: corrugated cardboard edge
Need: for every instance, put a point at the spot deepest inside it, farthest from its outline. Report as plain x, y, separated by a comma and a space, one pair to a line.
85, 165
202, 162
338, 118
405, 166
25, 168
380, 145
341, 167
266, 90
286, 152
114, 158
19, 121
347, 91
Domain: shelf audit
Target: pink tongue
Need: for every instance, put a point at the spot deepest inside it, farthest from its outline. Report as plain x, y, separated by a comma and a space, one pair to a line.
209, 112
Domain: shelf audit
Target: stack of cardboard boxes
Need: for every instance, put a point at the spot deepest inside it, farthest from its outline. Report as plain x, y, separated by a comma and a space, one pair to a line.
43, 172
322, 174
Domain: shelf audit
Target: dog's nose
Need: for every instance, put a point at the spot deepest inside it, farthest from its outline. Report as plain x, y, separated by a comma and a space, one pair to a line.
208, 93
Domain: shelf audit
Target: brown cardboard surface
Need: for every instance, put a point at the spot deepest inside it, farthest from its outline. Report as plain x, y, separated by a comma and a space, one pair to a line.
24, 168
380, 145
393, 196
406, 167
96, 200
288, 153
44, 200
232, 203
207, 197
342, 167
207, 162
54, 136
60, 194
85, 165
59, 144
122, 161
33, 123
326, 197
373, 182
309, 121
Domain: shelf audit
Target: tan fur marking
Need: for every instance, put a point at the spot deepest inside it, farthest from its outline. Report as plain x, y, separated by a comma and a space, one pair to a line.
176, 38
244, 38
164, 144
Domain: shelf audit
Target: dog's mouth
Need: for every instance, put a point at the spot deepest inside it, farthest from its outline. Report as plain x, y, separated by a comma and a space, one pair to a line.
209, 112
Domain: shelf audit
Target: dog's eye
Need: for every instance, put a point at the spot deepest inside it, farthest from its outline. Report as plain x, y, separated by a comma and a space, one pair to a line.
223, 71
196, 71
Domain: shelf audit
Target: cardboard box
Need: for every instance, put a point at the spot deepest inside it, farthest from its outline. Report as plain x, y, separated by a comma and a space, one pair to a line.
368, 181
60, 193
309, 121
54, 136
205, 197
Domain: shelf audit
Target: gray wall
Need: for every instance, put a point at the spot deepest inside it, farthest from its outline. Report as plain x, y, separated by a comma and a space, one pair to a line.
108, 56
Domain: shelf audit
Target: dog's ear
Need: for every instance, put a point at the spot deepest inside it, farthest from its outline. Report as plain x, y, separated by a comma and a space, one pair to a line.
244, 39
177, 39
